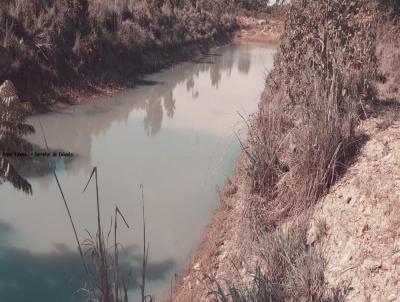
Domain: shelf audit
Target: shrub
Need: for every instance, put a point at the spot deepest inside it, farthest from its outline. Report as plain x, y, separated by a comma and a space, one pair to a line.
294, 272
304, 134
12, 132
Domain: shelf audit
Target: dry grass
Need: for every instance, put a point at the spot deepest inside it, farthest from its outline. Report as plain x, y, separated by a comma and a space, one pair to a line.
304, 135
302, 141
294, 272
106, 281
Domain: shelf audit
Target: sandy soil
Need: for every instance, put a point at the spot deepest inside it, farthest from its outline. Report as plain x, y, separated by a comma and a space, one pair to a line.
362, 216
259, 30
74, 96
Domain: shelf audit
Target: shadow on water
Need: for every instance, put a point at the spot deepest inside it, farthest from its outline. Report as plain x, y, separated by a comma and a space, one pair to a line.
58, 275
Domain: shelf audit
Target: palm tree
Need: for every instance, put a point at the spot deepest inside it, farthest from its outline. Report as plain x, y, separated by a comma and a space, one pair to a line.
12, 130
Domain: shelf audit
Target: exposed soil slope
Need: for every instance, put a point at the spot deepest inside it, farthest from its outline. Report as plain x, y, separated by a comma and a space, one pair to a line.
356, 222
259, 30
362, 215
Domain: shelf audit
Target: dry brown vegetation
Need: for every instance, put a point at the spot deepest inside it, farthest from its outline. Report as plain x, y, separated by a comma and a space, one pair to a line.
304, 138
64, 43
305, 134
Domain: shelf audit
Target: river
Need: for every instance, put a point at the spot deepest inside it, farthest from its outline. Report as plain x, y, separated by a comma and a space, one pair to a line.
174, 133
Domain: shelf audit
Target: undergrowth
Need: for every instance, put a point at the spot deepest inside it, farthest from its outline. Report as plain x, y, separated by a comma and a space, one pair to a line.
62, 43
294, 271
303, 139
305, 132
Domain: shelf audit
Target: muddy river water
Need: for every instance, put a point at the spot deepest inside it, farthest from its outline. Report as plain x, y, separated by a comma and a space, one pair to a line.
174, 133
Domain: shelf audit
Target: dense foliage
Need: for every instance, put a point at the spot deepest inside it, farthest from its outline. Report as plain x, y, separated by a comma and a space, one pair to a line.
57, 42
13, 147
305, 133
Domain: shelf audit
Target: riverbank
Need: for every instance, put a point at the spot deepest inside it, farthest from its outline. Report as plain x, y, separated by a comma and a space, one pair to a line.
345, 221
228, 237
88, 93
259, 30
50, 48
250, 31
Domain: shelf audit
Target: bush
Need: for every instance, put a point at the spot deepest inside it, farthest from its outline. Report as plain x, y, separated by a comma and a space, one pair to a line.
304, 135
12, 132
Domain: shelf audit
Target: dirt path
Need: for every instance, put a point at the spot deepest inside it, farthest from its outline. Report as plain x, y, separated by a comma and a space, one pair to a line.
259, 30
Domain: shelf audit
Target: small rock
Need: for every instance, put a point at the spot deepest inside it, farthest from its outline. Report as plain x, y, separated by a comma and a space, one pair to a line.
196, 267
363, 229
312, 235
231, 189
372, 265
348, 252
386, 265
396, 246
396, 258
392, 297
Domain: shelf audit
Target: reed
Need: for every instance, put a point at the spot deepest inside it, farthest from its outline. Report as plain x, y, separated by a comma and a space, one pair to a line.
106, 282
66, 205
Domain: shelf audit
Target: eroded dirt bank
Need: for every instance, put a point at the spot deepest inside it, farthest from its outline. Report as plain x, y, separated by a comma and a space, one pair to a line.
354, 223
258, 30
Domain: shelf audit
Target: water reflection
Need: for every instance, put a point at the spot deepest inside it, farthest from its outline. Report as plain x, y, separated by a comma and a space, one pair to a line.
56, 275
153, 95
173, 133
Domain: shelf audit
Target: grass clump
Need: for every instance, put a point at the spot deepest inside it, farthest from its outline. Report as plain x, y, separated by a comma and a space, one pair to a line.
304, 135
294, 271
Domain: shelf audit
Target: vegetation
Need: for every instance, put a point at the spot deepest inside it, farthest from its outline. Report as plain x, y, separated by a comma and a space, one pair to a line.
294, 272
62, 43
107, 280
305, 136
13, 147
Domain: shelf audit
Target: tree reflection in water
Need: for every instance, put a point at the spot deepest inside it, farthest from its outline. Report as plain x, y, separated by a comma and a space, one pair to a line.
150, 96
56, 275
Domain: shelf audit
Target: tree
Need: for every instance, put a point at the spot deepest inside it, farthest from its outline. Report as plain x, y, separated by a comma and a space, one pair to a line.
13, 147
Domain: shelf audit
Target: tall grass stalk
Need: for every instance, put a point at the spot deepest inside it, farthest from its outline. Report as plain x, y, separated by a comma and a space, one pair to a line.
66, 206
110, 289
100, 240
145, 253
